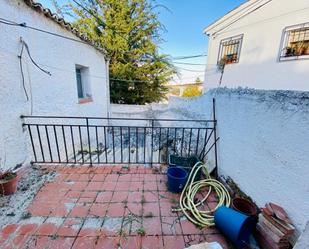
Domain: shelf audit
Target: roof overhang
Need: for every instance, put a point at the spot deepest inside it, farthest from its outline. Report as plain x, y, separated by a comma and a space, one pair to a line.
38, 7
233, 15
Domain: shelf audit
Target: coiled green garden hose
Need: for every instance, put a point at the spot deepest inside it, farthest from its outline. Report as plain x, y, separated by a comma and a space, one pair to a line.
190, 208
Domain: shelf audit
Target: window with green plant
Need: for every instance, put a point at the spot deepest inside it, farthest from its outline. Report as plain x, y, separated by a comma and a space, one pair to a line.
295, 42
230, 50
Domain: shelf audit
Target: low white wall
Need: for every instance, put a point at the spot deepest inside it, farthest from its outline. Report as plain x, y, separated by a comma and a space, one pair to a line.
264, 142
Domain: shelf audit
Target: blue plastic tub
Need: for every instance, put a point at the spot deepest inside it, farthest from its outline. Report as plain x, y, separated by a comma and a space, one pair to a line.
235, 225
176, 179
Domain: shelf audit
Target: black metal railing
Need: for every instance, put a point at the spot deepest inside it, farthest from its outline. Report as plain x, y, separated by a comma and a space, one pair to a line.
95, 140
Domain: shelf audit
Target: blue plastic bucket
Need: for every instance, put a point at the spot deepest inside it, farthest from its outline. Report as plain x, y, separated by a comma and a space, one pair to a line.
235, 225
176, 179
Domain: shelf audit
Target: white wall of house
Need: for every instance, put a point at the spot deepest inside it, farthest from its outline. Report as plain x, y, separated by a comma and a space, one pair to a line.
48, 95
263, 143
258, 65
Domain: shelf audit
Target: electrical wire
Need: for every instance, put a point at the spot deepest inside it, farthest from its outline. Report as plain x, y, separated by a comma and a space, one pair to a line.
190, 70
24, 25
188, 57
246, 14
188, 204
191, 64
219, 22
22, 71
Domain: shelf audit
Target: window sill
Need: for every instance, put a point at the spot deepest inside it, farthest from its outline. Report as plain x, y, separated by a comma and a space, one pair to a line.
85, 100
293, 58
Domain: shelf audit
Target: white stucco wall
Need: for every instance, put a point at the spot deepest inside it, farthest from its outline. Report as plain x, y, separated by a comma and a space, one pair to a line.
263, 146
49, 95
258, 66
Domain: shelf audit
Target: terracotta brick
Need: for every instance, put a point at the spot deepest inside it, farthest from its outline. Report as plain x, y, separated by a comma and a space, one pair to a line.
86, 200
194, 239
152, 242
27, 229
62, 243
171, 226
19, 241
89, 194
137, 178
132, 242
73, 194
173, 242
107, 170
67, 232
166, 209
136, 186
80, 210
150, 186
151, 196
150, 178
99, 178
84, 243
135, 197
79, 186
46, 229
122, 186
115, 210
119, 197
151, 207
152, 226
111, 178
189, 228
85, 177
104, 196
7, 230
108, 186
61, 210
111, 226
107, 243
98, 209
73, 177
94, 186
135, 208
38, 242
124, 178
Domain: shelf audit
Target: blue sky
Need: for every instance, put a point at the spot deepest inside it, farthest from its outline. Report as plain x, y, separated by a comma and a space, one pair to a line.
185, 22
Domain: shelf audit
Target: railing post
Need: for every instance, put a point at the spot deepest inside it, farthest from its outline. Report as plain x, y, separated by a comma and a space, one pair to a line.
88, 135
152, 124
215, 136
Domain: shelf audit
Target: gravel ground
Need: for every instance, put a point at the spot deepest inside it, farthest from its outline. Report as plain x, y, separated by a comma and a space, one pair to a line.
14, 208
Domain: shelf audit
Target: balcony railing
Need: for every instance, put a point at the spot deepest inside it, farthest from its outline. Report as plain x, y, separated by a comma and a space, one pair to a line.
96, 140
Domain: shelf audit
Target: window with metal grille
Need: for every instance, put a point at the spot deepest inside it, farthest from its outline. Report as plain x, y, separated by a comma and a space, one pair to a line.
295, 42
230, 50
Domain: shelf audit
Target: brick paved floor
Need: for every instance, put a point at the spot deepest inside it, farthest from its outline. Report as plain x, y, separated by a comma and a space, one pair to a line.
106, 207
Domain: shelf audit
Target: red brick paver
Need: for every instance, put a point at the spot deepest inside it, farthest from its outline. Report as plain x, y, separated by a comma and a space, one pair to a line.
106, 207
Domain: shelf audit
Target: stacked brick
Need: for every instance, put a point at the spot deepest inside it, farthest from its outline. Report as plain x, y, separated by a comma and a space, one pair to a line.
274, 228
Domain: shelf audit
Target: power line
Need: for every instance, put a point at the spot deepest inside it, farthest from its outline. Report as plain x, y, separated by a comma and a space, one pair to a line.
188, 57
90, 75
24, 25
222, 21
237, 19
266, 19
190, 70
191, 64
